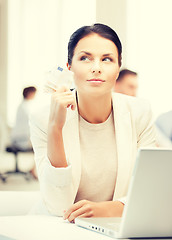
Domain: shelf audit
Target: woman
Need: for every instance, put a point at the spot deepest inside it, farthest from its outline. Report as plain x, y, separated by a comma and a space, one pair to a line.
85, 150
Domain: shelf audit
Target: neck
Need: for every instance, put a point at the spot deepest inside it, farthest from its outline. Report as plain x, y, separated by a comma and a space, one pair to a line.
94, 109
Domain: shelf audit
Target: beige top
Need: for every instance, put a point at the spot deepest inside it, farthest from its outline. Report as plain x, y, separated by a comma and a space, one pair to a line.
98, 160
133, 129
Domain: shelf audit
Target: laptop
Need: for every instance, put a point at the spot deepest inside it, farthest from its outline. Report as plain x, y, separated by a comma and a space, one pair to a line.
148, 211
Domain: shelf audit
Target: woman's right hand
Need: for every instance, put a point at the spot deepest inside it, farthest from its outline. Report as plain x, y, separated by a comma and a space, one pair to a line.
60, 101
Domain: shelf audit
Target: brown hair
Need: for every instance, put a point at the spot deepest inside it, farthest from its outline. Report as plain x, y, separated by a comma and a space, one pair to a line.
100, 29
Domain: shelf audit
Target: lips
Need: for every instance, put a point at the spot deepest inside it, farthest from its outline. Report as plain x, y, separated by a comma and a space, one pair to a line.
95, 80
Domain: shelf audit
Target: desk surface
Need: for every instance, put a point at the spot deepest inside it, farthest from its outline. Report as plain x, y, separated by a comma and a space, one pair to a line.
35, 227
45, 228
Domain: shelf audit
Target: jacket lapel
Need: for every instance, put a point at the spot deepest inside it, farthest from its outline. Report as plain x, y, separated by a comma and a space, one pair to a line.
123, 132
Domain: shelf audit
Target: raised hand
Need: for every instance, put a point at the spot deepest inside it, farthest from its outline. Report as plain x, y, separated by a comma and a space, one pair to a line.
60, 101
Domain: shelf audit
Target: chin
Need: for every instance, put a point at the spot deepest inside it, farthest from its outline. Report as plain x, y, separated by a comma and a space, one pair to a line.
96, 93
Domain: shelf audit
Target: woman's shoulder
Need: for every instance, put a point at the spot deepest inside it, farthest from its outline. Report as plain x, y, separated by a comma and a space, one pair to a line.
129, 99
131, 104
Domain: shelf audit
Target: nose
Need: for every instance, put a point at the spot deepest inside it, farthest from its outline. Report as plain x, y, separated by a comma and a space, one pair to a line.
96, 68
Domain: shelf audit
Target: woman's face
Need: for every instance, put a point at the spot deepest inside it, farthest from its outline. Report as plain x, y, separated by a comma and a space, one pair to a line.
95, 65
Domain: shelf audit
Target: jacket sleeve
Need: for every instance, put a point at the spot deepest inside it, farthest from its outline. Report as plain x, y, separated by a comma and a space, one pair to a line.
56, 184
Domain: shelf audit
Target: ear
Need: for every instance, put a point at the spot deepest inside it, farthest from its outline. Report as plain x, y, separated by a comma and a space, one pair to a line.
68, 66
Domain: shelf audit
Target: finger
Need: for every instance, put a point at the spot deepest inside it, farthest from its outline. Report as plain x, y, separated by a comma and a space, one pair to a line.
73, 107
85, 215
76, 213
68, 101
63, 101
74, 207
48, 89
63, 89
61, 94
51, 85
84, 210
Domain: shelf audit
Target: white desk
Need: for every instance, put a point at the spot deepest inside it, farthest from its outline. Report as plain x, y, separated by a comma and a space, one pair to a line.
40, 227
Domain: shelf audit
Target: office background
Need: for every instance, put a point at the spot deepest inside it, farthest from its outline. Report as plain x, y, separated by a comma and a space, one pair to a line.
34, 36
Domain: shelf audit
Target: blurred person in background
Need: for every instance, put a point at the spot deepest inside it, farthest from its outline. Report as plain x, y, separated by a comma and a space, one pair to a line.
20, 135
127, 83
164, 129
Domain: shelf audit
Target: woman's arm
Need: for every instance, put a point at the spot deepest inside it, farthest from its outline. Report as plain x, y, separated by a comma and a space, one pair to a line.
56, 183
60, 101
55, 148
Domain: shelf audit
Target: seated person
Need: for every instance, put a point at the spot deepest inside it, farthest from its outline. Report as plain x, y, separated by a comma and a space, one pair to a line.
127, 83
85, 141
20, 136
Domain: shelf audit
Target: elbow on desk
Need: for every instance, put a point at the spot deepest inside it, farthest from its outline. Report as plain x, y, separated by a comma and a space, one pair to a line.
57, 200
57, 208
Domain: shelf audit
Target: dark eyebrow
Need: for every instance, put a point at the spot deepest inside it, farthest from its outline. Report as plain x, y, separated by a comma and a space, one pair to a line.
87, 53
107, 54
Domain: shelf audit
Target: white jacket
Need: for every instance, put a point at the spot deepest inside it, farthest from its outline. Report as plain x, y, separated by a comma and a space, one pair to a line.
133, 128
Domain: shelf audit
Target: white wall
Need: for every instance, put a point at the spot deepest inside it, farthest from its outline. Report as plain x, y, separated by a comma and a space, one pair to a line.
149, 40
3, 60
114, 14
38, 33
32, 46
144, 27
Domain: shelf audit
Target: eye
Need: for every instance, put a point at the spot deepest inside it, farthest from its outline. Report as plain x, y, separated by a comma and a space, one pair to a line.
84, 58
107, 59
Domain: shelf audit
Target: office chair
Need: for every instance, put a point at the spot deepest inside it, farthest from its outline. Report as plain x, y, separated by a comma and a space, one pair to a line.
14, 150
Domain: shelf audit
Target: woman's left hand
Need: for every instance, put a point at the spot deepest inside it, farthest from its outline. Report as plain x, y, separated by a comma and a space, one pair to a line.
85, 208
